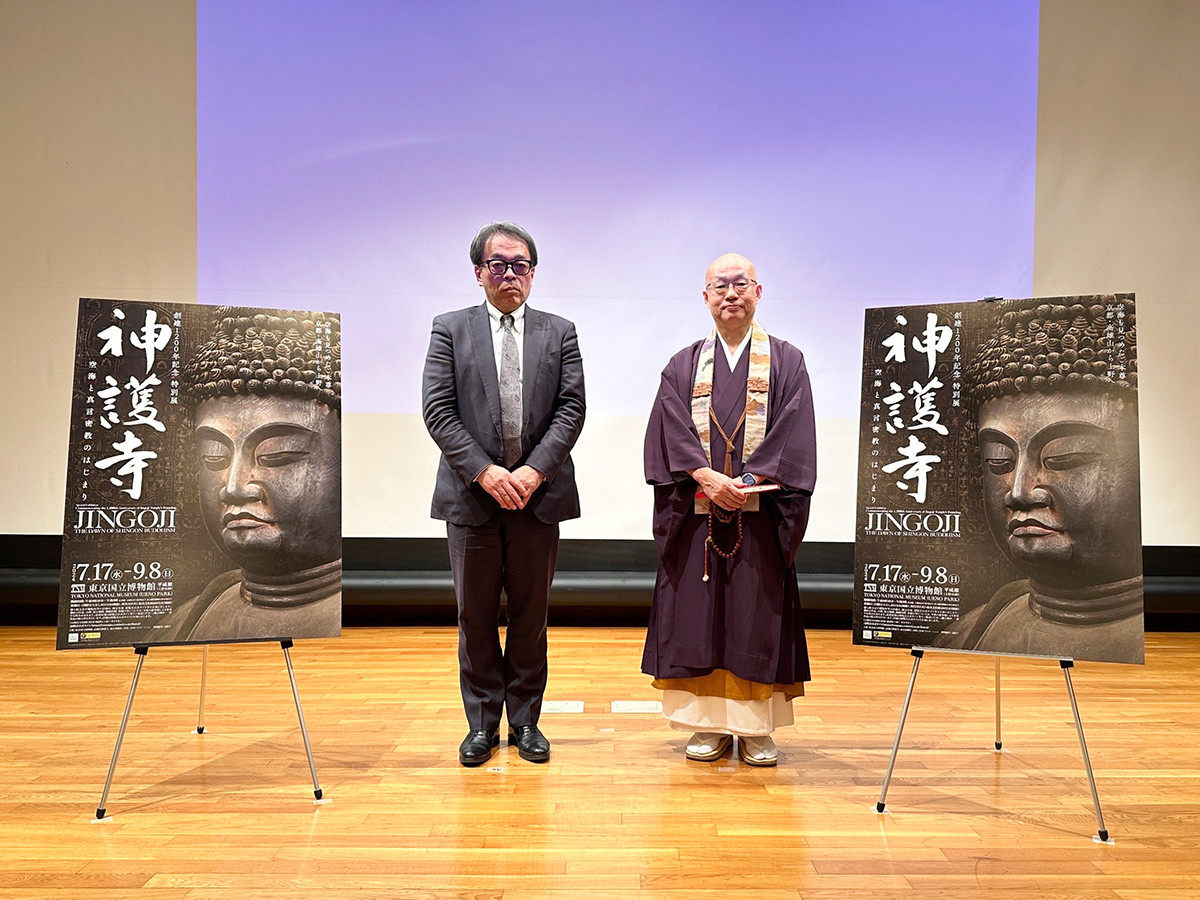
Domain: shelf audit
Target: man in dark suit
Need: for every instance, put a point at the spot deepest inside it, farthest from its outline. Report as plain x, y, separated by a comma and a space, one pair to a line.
503, 399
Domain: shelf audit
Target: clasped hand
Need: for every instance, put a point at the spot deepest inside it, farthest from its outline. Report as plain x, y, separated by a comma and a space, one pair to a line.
721, 489
512, 490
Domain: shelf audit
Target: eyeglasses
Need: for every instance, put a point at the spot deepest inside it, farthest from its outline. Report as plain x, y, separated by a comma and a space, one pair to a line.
740, 287
499, 266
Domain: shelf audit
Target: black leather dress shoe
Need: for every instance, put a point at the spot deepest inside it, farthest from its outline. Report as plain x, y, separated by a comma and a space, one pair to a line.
531, 744
478, 747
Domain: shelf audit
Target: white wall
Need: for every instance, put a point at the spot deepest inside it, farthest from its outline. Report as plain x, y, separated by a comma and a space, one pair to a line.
98, 198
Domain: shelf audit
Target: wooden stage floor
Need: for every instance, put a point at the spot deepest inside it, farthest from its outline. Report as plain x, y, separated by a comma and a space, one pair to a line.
617, 812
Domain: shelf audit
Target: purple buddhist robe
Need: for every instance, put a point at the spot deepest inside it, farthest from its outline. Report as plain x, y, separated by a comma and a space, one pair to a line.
746, 618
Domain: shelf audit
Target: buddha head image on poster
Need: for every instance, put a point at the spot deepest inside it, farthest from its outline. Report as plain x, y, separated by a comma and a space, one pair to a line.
1054, 394
264, 397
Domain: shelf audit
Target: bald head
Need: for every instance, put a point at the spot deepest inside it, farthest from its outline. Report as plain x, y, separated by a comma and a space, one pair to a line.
731, 293
730, 261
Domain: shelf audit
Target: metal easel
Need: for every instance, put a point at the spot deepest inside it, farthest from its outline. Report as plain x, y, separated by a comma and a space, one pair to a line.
1066, 666
141, 651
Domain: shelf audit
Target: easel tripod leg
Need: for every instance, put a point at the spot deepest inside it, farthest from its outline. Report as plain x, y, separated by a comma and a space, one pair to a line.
312, 766
917, 654
203, 685
1066, 668
112, 766
999, 742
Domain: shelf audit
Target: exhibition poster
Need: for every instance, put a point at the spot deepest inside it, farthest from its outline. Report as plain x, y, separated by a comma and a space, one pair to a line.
999, 486
203, 499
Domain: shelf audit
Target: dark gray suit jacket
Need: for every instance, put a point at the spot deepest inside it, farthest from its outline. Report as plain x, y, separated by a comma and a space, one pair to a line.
460, 393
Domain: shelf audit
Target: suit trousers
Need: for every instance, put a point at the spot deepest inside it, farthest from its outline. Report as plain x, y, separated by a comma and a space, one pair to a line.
515, 552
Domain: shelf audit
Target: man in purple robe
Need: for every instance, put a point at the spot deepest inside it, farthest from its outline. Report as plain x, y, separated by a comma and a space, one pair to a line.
731, 453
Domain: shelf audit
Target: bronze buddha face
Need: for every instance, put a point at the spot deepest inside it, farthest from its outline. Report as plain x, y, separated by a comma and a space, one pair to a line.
1061, 485
270, 480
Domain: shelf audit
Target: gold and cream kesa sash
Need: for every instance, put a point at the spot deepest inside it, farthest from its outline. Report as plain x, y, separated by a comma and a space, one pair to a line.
758, 383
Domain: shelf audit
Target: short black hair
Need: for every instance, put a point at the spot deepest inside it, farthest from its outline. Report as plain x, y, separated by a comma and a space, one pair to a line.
512, 229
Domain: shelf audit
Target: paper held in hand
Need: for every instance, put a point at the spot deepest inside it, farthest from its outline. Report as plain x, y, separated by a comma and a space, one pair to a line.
702, 503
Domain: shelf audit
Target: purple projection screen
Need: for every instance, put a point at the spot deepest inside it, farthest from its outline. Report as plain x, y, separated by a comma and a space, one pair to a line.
869, 153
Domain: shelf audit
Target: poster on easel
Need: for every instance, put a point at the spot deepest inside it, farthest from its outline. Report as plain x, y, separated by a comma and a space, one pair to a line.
203, 496
999, 484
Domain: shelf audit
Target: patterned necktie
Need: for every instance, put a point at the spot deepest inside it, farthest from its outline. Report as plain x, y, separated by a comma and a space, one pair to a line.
510, 393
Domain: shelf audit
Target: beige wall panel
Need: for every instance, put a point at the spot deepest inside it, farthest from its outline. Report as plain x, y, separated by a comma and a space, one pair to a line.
98, 192
1118, 209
